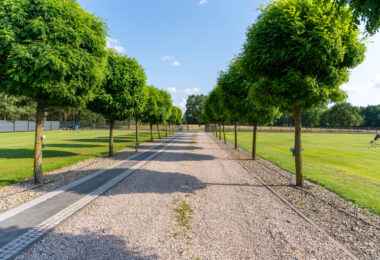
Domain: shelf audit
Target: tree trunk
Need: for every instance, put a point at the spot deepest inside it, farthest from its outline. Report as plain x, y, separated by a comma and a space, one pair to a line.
220, 132
159, 132
40, 116
224, 134
137, 134
151, 132
254, 140
166, 130
112, 126
235, 135
298, 145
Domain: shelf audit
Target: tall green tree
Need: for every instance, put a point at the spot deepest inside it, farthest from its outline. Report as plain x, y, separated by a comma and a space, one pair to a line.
301, 51
175, 117
114, 98
343, 115
371, 115
164, 108
194, 107
52, 52
218, 110
151, 108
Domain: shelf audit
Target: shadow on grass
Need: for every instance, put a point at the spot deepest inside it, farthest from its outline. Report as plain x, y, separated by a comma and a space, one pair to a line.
71, 145
29, 153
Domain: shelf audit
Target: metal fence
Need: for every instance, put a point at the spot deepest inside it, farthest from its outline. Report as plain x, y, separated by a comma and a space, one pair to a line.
26, 126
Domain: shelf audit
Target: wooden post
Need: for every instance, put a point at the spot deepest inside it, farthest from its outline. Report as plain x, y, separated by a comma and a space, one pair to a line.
254, 140
235, 135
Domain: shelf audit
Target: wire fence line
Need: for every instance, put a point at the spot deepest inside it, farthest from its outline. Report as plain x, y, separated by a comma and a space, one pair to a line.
8, 126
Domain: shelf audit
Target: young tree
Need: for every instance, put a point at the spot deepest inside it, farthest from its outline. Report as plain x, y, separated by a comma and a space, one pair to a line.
234, 95
175, 117
52, 52
300, 51
164, 108
218, 110
151, 108
114, 97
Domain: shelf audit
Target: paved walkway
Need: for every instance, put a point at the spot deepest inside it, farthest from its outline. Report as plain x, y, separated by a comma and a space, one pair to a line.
22, 226
192, 201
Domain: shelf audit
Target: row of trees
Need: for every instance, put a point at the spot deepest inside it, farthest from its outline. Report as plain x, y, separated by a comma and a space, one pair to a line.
339, 115
53, 53
295, 58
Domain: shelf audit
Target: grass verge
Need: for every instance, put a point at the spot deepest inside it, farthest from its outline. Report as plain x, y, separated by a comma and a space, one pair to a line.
341, 163
62, 148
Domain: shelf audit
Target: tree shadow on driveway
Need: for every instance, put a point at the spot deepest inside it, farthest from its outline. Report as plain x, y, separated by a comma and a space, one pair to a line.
86, 245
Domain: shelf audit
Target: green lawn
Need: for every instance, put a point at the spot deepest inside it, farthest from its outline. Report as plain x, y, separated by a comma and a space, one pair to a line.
62, 148
341, 163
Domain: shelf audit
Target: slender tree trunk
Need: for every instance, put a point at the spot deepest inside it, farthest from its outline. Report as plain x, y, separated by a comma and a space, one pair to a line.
224, 134
220, 132
254, 140
166, 130
236, 135
112, 126
137, 134
40, 116
298, 145
159, 132
151, 132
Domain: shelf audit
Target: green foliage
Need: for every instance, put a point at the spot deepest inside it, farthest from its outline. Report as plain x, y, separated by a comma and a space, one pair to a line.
215, 101
194, 108
234, 89
125, 79
151, 106
175, 116
164, 106
301, 51
371, 115
342, 115
51, 51
367, 11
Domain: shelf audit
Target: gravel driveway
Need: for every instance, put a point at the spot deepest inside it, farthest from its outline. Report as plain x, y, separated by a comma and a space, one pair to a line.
191, 202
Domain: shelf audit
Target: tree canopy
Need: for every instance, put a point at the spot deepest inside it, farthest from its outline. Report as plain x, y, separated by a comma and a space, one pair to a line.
194, 107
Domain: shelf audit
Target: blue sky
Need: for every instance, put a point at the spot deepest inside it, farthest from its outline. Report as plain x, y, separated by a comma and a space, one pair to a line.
183, 44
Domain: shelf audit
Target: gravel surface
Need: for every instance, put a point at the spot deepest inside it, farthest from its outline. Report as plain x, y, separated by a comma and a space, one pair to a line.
17, 194
193, 201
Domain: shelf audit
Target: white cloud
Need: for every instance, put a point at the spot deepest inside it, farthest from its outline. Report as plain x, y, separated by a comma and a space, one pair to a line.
371, 84
191, 91
176, 63
115, 44
183, 103
166, 58
173, 61
172, 90
202, 2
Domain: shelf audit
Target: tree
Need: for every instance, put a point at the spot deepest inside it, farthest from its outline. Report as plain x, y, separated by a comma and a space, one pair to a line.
151, 108
371, 116
367, 11
175, 117
300, 51
343, 115
312, 117
52, 52
194, 107
164, 108
218, 110
114, 98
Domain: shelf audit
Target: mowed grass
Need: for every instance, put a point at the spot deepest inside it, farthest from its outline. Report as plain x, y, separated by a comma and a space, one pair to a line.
341, 163
62, 148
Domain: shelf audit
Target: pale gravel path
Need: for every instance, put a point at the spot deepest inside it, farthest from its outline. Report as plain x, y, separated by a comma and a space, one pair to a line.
233, 216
